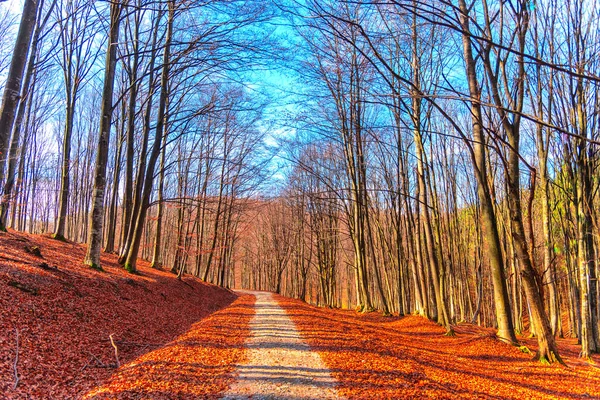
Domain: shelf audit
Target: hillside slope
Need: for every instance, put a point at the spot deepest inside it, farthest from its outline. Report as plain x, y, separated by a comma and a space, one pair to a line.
64, 313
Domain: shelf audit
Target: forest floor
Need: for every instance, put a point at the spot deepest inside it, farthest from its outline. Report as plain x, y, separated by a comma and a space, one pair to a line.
375, 357
65, 313
189, 340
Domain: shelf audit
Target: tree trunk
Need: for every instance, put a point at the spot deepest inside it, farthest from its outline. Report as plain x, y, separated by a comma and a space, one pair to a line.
63, 201
12, 88
548, 351
96, 218
503, 313
131, 210
112, 213
156, 261
18, 129
130, 261
130, 141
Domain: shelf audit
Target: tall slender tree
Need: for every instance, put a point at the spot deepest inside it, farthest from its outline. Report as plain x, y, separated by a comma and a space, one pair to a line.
12, 89
96, 218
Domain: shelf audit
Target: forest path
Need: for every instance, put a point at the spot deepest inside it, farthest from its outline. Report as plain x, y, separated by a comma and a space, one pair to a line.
280, 364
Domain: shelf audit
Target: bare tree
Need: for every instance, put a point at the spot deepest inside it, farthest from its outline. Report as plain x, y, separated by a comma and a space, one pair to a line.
12, 89
78, 52
96, 218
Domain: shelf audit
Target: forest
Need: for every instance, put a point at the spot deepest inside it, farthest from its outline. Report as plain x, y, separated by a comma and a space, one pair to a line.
429, 157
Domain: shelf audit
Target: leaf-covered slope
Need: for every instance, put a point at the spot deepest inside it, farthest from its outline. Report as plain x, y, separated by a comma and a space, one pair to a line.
64, 313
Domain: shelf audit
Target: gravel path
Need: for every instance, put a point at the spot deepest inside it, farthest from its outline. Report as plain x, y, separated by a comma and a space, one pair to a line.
280, 364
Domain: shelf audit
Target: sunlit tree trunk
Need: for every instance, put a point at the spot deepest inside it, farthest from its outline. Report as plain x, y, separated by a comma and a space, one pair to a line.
511, 125
140, 216
156, 260
503, 312
12, 88
18, 128
76, 57
132, 66
96, 219
112, 211
133, 193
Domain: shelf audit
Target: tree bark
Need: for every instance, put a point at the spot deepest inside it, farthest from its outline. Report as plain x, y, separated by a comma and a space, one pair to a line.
96, 218
112, 213
131, 259
156, 260
17, 129
127, 231
503, 313
12, 89
129, 153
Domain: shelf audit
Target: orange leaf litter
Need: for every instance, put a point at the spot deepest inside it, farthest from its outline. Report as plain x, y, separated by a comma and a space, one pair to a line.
64, 345
199, 364
374, 357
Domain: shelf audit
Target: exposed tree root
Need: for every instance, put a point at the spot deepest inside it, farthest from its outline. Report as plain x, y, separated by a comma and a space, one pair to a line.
548, 358
60, 238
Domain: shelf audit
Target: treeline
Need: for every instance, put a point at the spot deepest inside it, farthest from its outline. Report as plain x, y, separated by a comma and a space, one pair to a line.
446, 164
127, 125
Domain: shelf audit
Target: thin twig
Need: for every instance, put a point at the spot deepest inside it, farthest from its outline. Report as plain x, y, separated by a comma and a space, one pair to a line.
16, 360
85, 366
116, 349
98, 361
137, 344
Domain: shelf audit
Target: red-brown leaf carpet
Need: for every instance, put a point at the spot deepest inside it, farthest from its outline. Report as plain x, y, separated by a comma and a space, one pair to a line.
375, 357
64, 313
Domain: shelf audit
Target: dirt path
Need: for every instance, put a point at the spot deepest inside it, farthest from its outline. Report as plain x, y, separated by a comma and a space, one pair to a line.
280, 365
